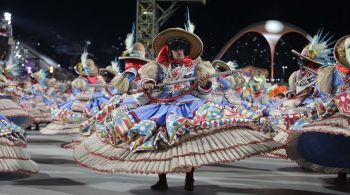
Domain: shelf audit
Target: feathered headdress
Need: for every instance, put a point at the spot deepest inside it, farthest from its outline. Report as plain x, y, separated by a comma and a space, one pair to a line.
319, 48
14, 70
189, 26
11, 67
40, 76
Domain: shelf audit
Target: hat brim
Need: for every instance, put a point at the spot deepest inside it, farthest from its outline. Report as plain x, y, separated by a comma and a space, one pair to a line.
340, 60
222, 64
84, 74
306, 58
95, 73
133, 58
172, 33
104, 70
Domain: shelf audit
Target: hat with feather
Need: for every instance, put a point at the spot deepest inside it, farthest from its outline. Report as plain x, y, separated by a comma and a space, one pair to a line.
133, 50
195, 43
11, 70
86, 67
231, 65
40, 76
112, 69
318, 51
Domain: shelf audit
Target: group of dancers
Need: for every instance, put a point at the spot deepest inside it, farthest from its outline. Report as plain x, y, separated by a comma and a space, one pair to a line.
178, 112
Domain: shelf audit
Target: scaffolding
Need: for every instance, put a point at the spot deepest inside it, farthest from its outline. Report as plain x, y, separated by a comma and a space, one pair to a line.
151, 15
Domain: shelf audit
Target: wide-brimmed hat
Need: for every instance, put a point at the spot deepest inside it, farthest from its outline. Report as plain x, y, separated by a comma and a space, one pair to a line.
90, 69
138, 52
317, 51
223, 65
306, 55
108, 69
342, 51
196, 45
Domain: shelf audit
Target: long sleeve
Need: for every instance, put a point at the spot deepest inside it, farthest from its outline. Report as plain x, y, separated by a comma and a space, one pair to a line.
325, 79
202, 68
148, 73
292, 81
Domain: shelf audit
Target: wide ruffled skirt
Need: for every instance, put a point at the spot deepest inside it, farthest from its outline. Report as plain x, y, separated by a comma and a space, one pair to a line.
73, 112
13, 157
323, 145
65, 122
169, 138
14, 112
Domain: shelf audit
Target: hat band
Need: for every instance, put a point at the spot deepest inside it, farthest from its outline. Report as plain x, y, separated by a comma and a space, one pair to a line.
139, 54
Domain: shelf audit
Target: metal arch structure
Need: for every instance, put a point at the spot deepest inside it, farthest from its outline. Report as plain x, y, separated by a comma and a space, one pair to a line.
150, 15
271, 37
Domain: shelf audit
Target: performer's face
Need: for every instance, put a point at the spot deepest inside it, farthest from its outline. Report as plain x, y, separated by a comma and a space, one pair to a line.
178, 54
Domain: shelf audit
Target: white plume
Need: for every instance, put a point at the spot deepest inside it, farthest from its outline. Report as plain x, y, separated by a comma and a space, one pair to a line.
116, 66
189, 26
84, 55
130, 39
83, 58
232, 64
128, 42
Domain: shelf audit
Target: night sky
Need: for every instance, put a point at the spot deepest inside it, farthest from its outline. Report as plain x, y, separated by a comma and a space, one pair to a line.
59, 29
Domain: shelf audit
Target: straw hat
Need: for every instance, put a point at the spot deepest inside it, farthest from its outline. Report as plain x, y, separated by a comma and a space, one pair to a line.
342, 51
307, 55
108, 69
90, 69
138, 52
221, 64
318, 51
175, 33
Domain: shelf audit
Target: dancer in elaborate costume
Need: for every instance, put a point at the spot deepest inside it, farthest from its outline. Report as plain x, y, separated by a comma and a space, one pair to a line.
51, 98
321, 140
227, 88
133, 59
39, 110
13, 157
10, 95
108, 74
88, 99
175, 131
301, 98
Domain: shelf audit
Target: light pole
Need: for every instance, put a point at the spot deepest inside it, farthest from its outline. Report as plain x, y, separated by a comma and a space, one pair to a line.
283, 69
